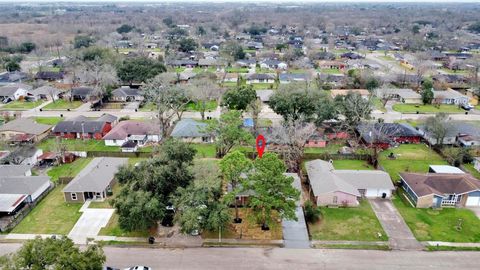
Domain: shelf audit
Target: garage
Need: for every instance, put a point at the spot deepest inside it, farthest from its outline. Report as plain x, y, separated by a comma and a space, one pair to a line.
377, 193
473, 201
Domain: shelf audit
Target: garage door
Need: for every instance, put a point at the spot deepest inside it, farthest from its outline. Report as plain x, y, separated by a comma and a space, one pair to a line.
473, 201
374, 193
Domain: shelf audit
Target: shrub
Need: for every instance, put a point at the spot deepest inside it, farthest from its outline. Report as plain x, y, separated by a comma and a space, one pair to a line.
312, 212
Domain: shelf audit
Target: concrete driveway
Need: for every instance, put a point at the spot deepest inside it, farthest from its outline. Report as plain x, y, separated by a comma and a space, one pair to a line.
400, 236
90, 223
475, 210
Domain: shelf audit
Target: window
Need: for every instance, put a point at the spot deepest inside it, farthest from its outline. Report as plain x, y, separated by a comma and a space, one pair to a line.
335, 199
73, 196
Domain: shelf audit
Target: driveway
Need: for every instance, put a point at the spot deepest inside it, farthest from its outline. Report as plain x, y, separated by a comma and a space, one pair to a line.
90, 223
475, 210
400, 236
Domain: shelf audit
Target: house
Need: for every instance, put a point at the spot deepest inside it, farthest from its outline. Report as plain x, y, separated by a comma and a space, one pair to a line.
444, 169
332, 187
126, 94
15, 170
229, 77
85, 128
343, 92
385, 135
24, 155
450, 96
211, 62
24, 130
12, 77
264, 95
84, 93
464, 134
15, 91
405, 95
327, 64
250, 63
317, 140
260, 78
46, 93
441, 189
183, 63
17, 191
273, 64
292, 77
351, 55
190, 130
49, 76
95, 181
139, 132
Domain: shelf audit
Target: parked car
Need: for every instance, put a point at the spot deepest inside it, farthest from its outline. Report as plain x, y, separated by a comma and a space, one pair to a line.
138, 267
110, 268
467, 107
167, 220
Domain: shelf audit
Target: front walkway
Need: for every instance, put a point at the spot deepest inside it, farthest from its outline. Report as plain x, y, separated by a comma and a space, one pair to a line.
295, 233
400, 236
90, 223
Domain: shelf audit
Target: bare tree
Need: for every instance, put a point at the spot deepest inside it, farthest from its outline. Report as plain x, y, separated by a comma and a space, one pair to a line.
291, 138
170, 100
255, 108
385, 94
204, 90
437, 127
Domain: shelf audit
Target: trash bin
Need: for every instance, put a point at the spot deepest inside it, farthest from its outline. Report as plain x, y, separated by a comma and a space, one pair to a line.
61, 115
151, 240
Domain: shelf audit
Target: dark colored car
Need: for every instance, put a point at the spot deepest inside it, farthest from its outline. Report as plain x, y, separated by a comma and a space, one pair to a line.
167, 220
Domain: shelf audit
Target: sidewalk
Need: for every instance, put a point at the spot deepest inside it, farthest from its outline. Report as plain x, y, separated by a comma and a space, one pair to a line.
451, 244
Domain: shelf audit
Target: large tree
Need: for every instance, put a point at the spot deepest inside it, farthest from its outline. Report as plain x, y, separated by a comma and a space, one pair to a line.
427, 93
438, 127
239, 98
54, 253
139, 69
354, 108
170, 99
228, 132
273, 191
233, 165
146, 188
295, 101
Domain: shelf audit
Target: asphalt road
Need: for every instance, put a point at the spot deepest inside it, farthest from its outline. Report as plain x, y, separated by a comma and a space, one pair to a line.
281, 258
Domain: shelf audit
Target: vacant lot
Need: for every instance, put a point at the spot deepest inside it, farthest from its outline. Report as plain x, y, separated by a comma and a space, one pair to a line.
352, 223
63, 105
409, 158
412, 108
78, 145
51, 216
69, 169
439, 225
21, 105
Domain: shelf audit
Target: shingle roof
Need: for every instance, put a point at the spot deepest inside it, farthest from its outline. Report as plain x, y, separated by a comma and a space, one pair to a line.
383, 132
440, 183
82, 91
22, 184
45, 90
107, 118
10, 89
13, 170
125, 128
264, 95
25, 125
189, 128
126, 91
261, 76
83, 124
96, 176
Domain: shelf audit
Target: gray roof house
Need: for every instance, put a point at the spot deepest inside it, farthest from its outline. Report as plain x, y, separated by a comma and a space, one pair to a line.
23, 130
191, 131
46, 92
15, 170
462, 133
344, 187
264, 95
126, 94
450, 97
292, 77
17, 191
94, 181
14, 91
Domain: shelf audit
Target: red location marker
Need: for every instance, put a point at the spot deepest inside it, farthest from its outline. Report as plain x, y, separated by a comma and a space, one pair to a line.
260, 145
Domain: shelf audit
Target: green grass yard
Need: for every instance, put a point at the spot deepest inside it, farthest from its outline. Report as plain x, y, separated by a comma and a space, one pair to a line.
48, 120
63, 105
51, 216
113, 229
78, 145
352, 224
413, 108
330, 71
351, 164
331, 148
469, 167
236, 70
21, 105
409, 158
210, 106
439, 225
69, 169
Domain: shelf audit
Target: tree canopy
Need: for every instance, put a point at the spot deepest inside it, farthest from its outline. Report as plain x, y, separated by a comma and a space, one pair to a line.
50, 253
239, 98
139, 69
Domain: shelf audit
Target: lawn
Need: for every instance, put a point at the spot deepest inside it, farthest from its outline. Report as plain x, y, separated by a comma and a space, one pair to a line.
48, 120
51, 216
205, 150
414, 108
330, 71
469, 167
451, 71
331, 148
68, 170
248, 229
387, 58
413, 123
63, 105
236, 70
21, 105
378, 104
113, 229
409, 158
202, 69
210, 106
78, 145
351, 164
439, 225
148, 107
352, 224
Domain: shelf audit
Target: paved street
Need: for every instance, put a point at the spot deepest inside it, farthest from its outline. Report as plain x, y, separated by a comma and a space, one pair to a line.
281, 258
400, 236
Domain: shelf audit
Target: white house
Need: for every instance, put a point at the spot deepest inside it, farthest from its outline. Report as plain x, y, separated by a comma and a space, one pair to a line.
15, 91
450, 96
139, 132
